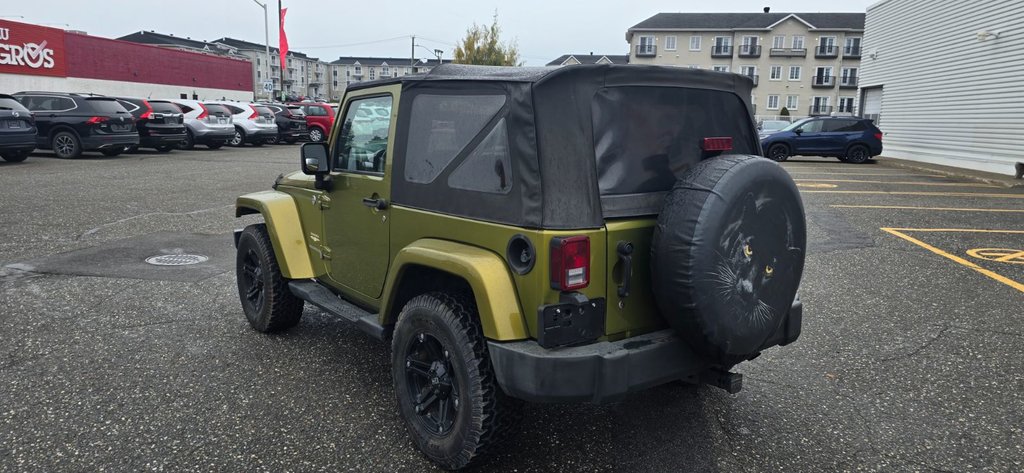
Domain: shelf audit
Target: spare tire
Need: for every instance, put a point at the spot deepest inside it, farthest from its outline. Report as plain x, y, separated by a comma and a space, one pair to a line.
727, 255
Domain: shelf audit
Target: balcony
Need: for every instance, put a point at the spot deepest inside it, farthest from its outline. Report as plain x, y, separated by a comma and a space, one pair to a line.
852, 52
787, 52
818, 110
721, 51
823, 82
848, 82
826, 51
750, 50
646, 50
752, 77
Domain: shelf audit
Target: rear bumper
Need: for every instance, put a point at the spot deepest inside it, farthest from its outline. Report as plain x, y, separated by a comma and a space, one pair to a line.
260, 135
18, 141
607, 371
94, 142
160, 140
213, 136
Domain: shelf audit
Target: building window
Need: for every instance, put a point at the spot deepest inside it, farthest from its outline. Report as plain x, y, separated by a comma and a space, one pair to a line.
259, 75
794, 72
798, 42
646, 46
694, 43
359, 70
720, 68
384, 71
852, 47
779, 42
775, 73
335, 83
670, 43
846, 104
773, 102
849, 76
749, 71
372, 75
792, 102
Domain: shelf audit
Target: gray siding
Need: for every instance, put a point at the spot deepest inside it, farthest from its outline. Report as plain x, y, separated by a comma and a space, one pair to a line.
948, 97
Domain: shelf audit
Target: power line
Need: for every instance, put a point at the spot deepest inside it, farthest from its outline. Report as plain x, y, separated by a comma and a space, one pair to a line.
362, 43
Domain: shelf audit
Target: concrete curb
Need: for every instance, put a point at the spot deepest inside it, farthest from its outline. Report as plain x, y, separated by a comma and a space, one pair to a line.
986, 177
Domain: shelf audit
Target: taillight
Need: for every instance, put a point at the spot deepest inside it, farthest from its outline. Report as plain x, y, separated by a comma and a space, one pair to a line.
255, 114
878, 136
148, 113
205, 113
96, 120
717, 144
570, 263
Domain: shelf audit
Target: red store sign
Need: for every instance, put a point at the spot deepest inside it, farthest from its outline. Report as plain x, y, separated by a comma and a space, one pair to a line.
30, 49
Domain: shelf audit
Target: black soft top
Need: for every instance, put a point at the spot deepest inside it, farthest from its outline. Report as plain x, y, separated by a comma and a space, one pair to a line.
551, 114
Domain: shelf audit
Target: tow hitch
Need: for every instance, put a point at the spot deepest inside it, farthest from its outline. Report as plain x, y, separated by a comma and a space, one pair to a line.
731, 382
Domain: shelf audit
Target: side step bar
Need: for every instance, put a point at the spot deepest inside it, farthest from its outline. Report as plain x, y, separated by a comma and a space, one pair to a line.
314, 293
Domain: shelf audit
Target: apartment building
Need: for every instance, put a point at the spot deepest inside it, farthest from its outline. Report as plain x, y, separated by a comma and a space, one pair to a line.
348, 69
806, 63
303, 76
571, 59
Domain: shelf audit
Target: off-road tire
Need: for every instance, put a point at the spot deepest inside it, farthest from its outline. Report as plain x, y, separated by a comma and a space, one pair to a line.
15, 156
189, 142
857, 154
485, 414
316, 134
778, 152
239, 139
111, 152
280, 309
66, 145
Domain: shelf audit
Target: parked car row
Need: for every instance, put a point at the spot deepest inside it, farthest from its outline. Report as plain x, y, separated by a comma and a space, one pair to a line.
72, 123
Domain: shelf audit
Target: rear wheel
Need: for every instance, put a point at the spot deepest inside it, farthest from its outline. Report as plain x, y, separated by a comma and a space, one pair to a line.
268, 304
273, 140
113, 151
214, 145
15, 156
66, 145
778, 152
316, 135
857, 154
189, 142
238, 139
447, 393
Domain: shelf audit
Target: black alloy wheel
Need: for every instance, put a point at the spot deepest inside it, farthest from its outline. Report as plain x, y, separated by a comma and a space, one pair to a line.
252, 280
431, 384
268, 304
778, 152
66, 145
857, 154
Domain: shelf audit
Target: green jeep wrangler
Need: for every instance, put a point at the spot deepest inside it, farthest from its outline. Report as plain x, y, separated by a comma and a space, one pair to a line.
534, 234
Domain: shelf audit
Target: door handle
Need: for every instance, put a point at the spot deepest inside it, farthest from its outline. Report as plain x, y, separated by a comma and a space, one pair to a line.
625, 251
378, 203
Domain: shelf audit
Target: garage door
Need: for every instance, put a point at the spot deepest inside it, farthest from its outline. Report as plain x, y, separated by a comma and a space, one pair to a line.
871, 104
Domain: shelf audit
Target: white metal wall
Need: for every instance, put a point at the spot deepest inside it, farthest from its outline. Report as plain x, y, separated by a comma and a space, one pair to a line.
10, 83
949, 97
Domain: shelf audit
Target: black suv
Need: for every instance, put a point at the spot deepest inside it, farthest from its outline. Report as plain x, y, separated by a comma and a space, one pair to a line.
70, 123
291, 122
17, 130
161, 124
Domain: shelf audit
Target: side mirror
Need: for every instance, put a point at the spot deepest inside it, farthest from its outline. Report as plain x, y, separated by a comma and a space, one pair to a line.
315, 161
798, 131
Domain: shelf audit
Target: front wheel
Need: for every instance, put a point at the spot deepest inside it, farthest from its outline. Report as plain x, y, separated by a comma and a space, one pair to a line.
15, 156
448, 397
316, 135
268, 304
189, 142
778, 152
857, 154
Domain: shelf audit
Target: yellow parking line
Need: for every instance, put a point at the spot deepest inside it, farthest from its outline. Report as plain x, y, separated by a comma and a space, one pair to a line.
863, 174
941, 194
968, 230
998, 277
948, 184
906, 207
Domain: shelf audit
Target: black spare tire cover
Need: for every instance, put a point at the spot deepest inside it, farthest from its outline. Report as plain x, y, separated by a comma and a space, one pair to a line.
727, 255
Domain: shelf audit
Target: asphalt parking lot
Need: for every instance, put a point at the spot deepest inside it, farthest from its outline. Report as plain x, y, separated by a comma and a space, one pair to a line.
910, 359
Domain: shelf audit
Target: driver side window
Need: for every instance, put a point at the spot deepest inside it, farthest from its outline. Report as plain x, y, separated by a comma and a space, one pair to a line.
812, 126
363, 139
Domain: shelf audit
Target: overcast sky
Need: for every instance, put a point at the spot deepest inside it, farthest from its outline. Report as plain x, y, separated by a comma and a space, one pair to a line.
543, 30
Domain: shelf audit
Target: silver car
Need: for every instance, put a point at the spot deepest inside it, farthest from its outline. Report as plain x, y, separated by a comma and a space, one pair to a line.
206, 123
254, 123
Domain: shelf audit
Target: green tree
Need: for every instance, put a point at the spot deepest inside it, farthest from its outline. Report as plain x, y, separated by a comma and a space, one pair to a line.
784, 112
482, 46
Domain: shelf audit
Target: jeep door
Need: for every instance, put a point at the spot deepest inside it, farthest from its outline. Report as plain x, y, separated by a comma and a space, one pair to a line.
356, 219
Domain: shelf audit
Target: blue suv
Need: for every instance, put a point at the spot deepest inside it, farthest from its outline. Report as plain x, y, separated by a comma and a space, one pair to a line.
851, 139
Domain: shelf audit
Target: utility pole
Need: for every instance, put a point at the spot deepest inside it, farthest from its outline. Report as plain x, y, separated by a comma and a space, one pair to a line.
412, 53
284, 61
266, 39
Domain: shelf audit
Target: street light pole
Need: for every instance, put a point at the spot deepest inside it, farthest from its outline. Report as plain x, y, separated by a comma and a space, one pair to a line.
266, 39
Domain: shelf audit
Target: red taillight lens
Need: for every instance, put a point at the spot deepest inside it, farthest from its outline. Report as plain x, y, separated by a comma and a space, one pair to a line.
205, 113
96, 120
878, 136
717, 144
148, 113
255, 114
570, 263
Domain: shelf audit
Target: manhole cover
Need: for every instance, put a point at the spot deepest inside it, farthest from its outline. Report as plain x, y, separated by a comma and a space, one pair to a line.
175, 260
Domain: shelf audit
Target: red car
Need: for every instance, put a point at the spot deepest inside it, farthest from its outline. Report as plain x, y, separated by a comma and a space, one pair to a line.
319, 119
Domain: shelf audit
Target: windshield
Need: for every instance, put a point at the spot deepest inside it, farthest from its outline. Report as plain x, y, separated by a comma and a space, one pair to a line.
796, 124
